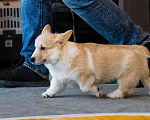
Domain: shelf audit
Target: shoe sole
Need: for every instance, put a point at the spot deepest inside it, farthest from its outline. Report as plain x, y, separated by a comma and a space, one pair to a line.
24, 84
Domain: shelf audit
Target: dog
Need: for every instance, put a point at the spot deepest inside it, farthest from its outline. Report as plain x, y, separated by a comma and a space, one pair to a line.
88, 64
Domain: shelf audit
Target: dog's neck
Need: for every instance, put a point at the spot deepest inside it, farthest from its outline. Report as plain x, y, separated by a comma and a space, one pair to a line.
69, 52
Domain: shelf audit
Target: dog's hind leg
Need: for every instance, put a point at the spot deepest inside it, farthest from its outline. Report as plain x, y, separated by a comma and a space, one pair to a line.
126, 83
87, 85
121, 92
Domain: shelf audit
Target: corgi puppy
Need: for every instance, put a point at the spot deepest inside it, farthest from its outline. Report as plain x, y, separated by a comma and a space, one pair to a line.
89, 64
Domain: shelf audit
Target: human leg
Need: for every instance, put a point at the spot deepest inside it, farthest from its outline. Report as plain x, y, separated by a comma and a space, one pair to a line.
109, 21
33, 21
35, 15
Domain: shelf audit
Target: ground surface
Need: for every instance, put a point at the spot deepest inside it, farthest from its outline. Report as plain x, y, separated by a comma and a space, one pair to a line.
27, 101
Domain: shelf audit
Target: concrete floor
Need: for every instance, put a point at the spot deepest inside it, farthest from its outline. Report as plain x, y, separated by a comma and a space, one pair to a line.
27, 101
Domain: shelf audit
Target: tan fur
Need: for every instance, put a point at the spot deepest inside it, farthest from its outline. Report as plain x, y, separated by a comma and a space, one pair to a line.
89, 64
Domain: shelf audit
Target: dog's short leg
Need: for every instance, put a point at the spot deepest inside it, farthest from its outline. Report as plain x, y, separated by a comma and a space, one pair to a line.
126, 87
55, 88
93, 89
121, 92
87, 85
116, 94
127, 82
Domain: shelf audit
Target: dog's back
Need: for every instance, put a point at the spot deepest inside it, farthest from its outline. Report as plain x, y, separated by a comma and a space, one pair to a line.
107, 62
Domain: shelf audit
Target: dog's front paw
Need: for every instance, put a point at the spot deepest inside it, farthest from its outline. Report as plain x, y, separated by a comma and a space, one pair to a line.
48, 95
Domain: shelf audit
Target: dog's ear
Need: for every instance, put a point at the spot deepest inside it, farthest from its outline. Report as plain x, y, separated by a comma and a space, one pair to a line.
66, 36
63, 38
46, 29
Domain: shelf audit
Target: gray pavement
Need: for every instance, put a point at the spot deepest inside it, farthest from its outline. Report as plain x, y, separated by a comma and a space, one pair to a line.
27, 101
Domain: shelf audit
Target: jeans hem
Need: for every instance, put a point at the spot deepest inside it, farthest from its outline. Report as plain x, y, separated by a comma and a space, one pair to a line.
146, 41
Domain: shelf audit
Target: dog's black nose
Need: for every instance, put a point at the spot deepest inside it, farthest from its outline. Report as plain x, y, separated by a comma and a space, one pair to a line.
32, 59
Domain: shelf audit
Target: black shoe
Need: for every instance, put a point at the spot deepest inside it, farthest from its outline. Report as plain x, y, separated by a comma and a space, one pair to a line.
140, 85
147, 45
22, 76
20, 62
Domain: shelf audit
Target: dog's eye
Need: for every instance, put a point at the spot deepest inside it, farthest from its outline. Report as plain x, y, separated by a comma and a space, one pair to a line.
42, 48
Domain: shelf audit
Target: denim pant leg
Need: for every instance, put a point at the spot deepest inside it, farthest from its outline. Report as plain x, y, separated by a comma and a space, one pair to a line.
35, 15
108, 20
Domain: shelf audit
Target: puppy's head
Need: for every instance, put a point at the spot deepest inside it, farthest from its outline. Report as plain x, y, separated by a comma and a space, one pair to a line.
49, 46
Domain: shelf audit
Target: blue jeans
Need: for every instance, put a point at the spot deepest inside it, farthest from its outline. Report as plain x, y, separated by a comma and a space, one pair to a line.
103, 15
35, 15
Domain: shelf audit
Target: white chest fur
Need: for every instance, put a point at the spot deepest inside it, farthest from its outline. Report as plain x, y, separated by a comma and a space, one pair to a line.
62, 69
62, 73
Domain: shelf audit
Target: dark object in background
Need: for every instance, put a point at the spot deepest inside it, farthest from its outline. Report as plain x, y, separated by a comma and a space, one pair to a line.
10, 47
10, 32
